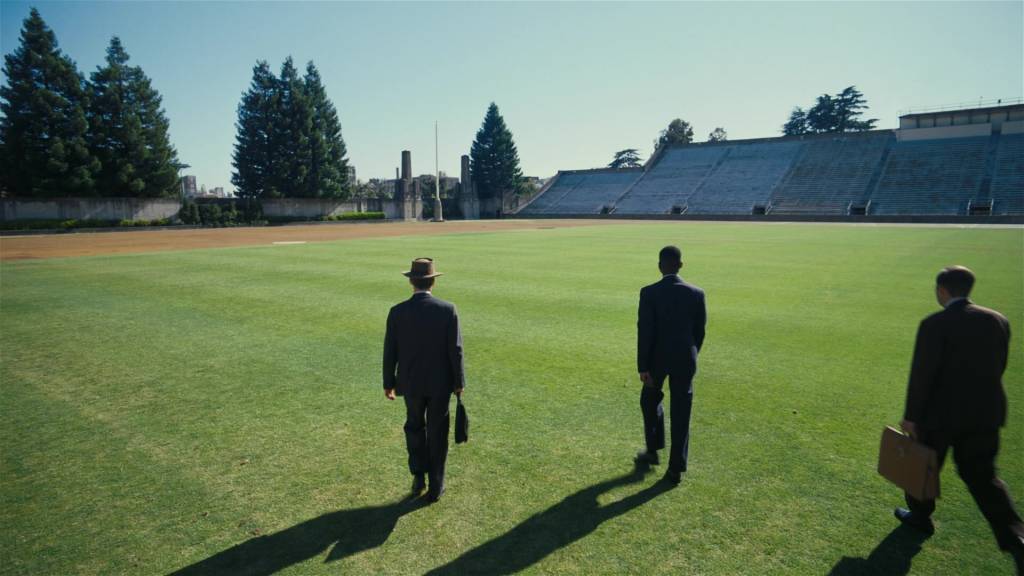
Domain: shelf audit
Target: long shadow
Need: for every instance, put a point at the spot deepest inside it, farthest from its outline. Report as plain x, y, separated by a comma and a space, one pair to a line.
564, 523
892, 556
350, 531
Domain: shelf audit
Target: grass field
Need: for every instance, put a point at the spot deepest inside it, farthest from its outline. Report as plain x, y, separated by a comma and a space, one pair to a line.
220, 411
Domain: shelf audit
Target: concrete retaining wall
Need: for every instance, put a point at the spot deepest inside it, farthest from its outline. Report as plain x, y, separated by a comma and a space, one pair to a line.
12, 210
317, 207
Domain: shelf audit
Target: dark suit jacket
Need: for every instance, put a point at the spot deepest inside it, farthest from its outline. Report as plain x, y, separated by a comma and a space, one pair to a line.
956, 376
424, 343
670, 327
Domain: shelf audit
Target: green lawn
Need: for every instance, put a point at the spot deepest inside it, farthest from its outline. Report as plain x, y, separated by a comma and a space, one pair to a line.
221, 410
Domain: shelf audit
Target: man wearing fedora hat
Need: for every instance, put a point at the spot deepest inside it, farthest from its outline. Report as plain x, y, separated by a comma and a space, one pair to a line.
423, 344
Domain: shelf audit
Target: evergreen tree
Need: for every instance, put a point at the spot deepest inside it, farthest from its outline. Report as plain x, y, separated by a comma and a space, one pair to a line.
494, 160
718, 135
628, 158
839, 113
797, 123
256, 141
291, 160
129, 131
43, 148
328, 167
679, 131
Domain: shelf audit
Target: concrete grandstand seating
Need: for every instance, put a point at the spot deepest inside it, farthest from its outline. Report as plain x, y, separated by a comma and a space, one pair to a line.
1008, 180
870, 173
583, 191
931, 177
831, 173
671, 180
746, 176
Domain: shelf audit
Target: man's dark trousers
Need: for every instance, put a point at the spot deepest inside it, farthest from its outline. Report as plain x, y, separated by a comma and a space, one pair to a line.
426, 435
974, 454
680, 404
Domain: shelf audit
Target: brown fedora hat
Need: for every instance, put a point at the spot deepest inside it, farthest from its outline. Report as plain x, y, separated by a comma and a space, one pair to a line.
422, 268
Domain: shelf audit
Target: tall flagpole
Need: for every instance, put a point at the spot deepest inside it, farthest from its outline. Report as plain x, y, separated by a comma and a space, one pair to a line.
438, 210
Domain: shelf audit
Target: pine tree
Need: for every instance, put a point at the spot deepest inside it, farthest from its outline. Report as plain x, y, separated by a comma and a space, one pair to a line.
328, 167
494, 160
256, 141
797, 123
128, 131
43, 149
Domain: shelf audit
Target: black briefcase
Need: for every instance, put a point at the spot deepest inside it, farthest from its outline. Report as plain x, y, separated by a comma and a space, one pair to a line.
461, 423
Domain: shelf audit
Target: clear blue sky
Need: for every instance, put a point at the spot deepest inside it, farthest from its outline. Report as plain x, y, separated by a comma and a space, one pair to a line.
575, 82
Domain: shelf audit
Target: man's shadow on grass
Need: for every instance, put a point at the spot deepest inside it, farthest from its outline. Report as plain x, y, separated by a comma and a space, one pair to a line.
350, 531
891, 557
560, 525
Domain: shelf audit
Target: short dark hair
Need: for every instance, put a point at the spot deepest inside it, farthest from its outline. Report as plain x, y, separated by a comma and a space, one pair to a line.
957, 280
422, 283
670, 258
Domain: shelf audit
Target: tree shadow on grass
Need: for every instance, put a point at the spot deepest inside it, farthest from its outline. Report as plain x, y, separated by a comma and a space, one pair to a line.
350, 531
891, 557
560, 525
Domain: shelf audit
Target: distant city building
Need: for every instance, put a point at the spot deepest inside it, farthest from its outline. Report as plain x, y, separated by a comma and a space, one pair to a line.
351, 175
188, 186
218, 192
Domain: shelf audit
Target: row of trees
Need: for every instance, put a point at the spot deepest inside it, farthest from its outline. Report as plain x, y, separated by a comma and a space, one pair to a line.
831, 113
839, 113
63, 135
288, 141
678, 131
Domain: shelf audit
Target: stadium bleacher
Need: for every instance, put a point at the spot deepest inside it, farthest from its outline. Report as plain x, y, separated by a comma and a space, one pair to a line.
671, 180
946, 163
583, 191
931, 177
831, 174
1008, 179
745, 178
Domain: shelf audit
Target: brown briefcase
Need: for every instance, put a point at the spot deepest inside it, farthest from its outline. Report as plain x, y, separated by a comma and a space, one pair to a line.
908, 464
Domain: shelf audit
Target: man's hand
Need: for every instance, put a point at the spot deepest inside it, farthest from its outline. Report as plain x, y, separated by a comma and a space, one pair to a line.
645, 377
458, 391
389, 393
909, 427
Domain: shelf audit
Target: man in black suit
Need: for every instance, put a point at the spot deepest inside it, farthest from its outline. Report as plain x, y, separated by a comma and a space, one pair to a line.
670, 332
424, 343
955, 399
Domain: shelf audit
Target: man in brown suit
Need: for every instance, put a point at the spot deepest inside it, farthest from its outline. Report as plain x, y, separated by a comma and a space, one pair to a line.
955, 399
423, 364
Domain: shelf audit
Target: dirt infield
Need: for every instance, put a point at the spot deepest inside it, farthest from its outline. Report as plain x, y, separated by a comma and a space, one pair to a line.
90, 244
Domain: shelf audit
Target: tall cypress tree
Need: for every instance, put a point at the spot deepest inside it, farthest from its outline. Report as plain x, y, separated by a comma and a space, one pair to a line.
129, 131
256, 141
43, 149
493, 157
328, 167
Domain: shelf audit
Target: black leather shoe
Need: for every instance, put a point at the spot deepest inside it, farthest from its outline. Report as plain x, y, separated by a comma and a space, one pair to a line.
910, 519
672, 477
1018, 558
419, 484
646, 458
435, 494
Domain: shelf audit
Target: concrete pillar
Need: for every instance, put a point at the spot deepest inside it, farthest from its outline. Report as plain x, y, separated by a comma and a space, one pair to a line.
406, 165
468, 201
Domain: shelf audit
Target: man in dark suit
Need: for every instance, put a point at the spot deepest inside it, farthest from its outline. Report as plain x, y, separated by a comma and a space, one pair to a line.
424, 343
670, 332
955, 399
